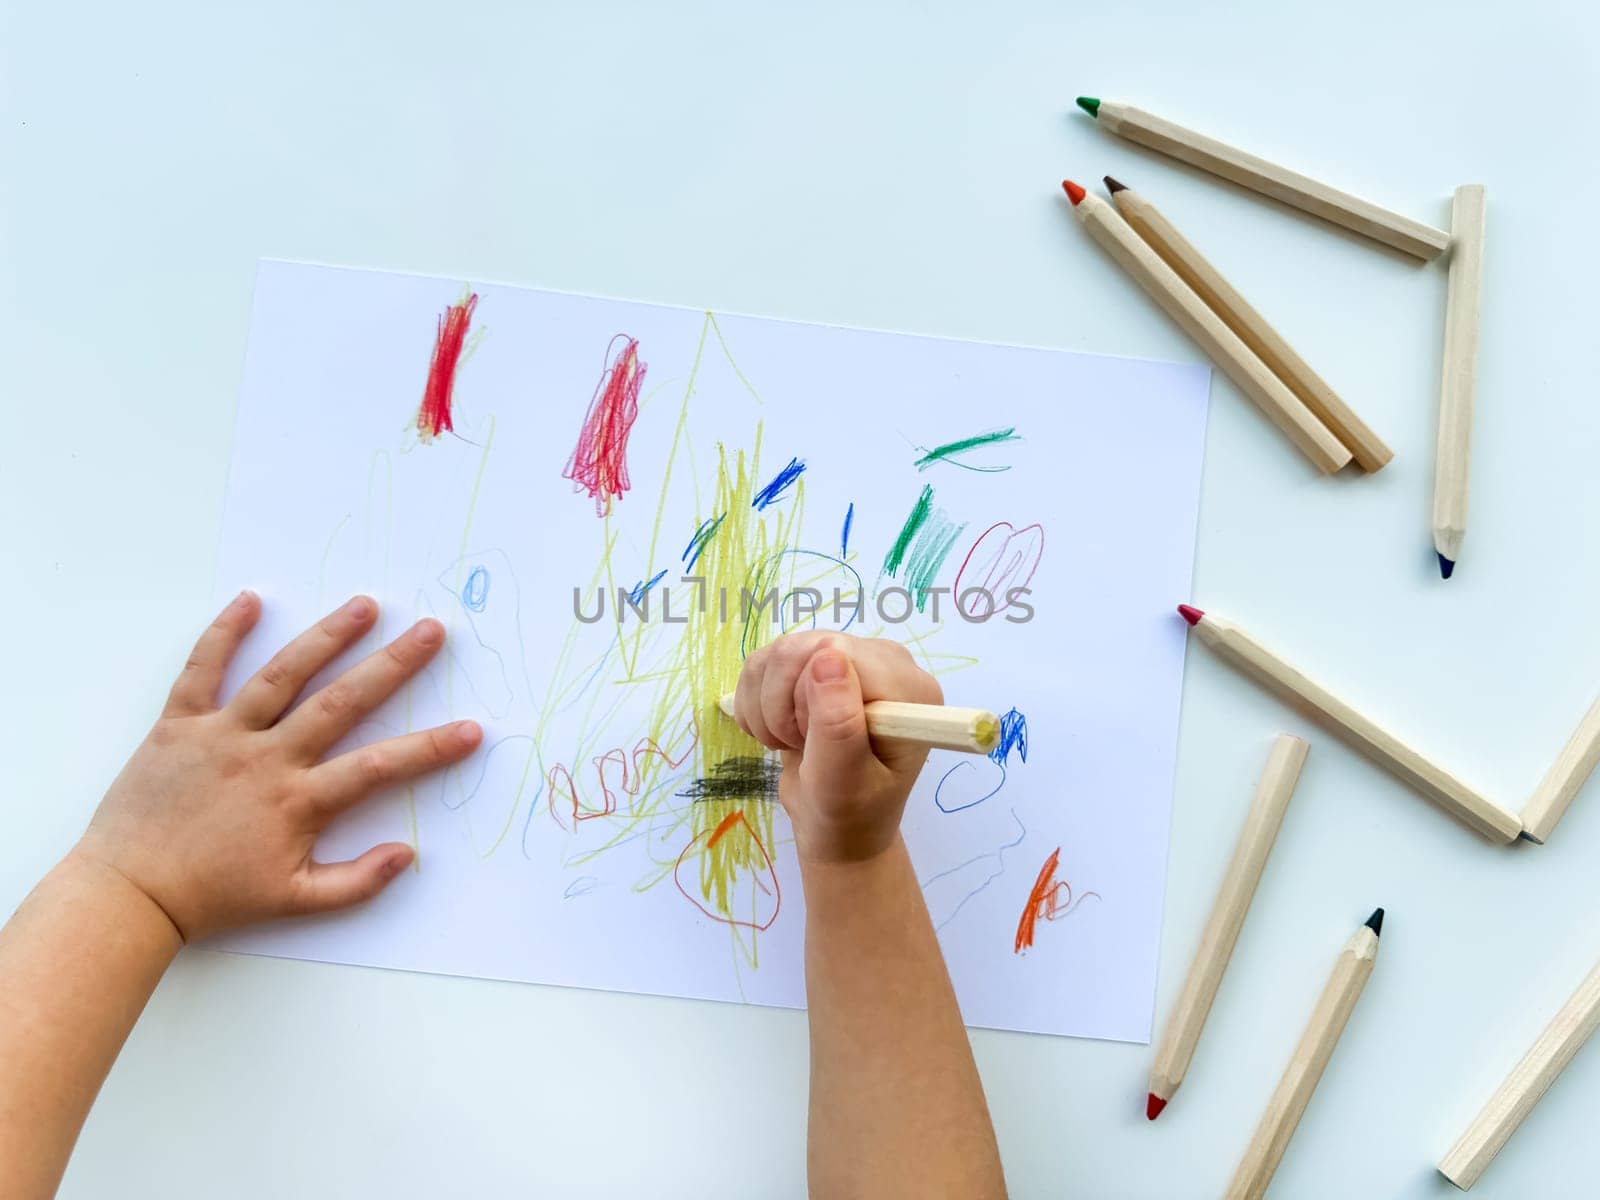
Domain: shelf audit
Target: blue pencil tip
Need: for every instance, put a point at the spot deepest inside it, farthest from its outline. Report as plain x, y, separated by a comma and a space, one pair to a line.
1447, 566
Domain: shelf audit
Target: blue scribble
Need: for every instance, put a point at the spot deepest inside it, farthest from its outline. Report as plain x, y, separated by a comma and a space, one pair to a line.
643, 586
999, 856
581, 886
844, 534
475, 592
774, 490
965, 763
1013, 736
765, 575
697, 543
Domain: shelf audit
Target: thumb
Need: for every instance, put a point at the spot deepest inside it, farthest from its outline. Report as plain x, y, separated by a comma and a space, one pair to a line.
324, 887
837, 747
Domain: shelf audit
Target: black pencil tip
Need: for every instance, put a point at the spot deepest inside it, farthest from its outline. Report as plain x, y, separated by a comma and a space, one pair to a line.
1114, 187
1375, 922
1447, 566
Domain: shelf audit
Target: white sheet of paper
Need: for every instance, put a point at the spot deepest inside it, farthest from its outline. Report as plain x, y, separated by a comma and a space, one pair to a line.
566, 850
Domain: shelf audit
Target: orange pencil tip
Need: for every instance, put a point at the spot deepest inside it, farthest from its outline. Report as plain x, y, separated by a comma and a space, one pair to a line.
1152, 1106
1073, 191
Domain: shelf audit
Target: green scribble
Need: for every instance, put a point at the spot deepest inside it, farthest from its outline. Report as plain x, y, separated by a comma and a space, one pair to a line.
950, 450
928, 553
919, 514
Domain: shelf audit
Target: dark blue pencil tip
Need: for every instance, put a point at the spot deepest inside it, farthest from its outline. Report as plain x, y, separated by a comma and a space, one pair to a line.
1447, 566
1375, 922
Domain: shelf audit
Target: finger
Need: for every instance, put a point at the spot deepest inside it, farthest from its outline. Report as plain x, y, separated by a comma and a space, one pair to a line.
196, 688
343, 781
323, 887
837, 749
747, 696
333, 711
789, 658
888, 672
272, 689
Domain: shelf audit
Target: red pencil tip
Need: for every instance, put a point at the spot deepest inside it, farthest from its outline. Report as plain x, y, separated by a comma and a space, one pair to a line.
1190, 613
1152, 1106
1073, 191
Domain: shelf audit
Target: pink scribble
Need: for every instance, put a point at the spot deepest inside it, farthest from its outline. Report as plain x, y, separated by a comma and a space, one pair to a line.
599, 463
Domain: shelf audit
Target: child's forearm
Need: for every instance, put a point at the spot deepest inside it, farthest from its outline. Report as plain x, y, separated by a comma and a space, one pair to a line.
78, 961
897, 1108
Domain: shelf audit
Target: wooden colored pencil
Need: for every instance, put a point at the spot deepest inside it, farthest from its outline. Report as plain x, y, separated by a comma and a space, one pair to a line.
1253, 329
1458, 379
1310, 1059
1188, 1018
1259, 175
973, 730
1388, 751
1180, 302
1564, 779
1529, 1080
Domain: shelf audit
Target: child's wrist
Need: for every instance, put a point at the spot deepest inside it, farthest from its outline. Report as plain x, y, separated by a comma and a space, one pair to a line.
103, 884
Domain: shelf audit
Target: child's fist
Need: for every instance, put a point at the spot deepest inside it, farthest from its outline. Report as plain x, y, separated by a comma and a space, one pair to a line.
805, 695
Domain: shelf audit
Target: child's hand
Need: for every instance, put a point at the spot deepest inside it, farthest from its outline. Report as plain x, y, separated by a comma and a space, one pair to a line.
804, 695
215, 815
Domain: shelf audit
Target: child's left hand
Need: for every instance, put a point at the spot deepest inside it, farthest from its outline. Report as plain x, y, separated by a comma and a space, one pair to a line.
215, 815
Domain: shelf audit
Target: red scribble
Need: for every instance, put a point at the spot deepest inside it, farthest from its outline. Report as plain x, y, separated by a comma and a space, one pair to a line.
1048, 899
599, 461
705, 841
433, 418
631, 779
1000, 562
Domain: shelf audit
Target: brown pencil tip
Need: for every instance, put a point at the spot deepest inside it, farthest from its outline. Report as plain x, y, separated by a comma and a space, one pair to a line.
1153, 1105
1114, 187
1073, 191
1190, 613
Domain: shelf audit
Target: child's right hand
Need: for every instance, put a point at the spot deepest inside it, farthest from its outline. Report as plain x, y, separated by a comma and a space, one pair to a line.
804, 695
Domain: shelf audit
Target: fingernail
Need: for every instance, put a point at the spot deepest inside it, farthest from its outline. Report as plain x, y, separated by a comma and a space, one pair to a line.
828, 667
429, 632
358, 608
243, 599
396, 864
469, 733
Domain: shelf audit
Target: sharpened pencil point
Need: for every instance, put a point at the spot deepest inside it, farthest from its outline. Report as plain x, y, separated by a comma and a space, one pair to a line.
1073, 191
1153, 1105
1089, 105
1447, 566
1114, 187
1375, 922
1190, 613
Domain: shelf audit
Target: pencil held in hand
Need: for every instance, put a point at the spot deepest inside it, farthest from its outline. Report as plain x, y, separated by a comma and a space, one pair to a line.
972, 730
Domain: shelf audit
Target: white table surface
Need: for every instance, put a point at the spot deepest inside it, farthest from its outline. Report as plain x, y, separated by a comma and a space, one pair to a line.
891, 164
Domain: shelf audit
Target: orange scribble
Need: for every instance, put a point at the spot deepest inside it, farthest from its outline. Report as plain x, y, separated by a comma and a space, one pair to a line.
1049, 899
763, 875
562, 785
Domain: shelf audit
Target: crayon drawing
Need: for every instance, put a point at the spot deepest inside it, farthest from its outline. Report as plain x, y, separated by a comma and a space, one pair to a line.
610, 505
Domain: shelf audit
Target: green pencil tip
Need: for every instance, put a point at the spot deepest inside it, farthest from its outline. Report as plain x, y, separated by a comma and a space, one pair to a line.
1089, 105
